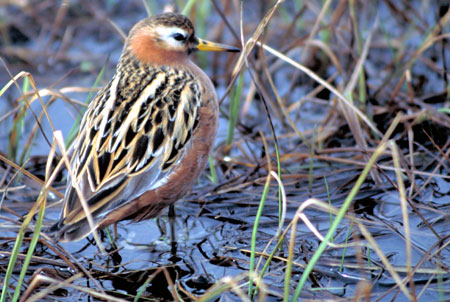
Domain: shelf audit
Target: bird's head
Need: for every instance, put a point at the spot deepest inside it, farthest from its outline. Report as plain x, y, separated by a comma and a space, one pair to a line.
168, 39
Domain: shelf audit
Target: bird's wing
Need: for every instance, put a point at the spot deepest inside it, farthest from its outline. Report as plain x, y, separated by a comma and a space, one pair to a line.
128, 135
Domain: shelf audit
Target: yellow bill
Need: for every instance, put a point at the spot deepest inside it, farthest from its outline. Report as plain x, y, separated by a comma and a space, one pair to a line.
204, 45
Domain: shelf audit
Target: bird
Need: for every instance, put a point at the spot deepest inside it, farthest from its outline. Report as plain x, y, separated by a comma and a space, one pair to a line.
146, 136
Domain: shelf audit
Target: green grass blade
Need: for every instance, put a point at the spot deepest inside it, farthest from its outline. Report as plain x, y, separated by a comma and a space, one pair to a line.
329, 202
32, 246
15, 252
11, 265
18, 124
344, 251
212, 169
188, 7
380, 149
254, 233
234, 109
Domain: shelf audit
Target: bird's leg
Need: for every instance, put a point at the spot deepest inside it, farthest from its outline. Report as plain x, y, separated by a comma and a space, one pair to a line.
173, 242
115, 232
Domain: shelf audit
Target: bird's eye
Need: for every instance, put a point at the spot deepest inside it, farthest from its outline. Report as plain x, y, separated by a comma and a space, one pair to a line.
179, 37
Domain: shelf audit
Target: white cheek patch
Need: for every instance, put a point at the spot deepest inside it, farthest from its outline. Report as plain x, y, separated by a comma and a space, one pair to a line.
167, 35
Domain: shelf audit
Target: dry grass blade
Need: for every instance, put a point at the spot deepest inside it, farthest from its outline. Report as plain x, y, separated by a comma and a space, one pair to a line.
28, 174
311, 74
60, 142
280, 103
248, 47
56, 284
37, 282
406, 224
434, 174
349, 114
314, 29
400, 283
14, 80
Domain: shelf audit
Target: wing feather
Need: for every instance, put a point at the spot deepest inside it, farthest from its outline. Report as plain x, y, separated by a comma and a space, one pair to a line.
127, 147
